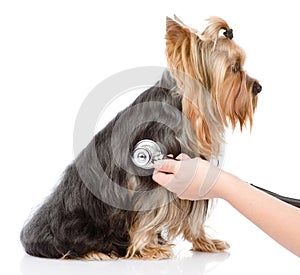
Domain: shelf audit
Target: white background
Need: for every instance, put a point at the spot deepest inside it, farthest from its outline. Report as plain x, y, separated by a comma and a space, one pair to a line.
53, 53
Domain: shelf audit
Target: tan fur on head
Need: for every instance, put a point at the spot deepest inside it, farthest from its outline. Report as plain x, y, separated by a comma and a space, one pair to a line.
208, 69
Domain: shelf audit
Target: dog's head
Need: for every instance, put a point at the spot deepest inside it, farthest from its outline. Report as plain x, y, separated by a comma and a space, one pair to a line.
208, 69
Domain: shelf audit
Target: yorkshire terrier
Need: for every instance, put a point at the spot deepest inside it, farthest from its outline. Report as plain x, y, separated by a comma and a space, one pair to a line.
105, 207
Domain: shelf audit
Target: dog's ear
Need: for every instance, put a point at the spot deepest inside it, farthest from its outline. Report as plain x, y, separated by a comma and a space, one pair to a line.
176, 31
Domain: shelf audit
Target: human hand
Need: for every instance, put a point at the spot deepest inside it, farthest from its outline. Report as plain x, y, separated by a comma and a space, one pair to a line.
191, 179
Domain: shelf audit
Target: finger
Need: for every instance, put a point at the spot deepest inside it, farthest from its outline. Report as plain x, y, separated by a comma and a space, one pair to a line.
167, 166
182, 156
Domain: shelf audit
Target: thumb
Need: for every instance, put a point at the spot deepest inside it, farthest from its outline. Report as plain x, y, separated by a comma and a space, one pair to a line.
165, 170
169, 166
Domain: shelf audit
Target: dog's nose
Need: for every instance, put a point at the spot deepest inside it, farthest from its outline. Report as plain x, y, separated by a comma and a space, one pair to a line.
256, 88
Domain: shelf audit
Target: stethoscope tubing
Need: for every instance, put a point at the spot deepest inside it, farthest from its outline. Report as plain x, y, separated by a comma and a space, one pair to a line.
292, 201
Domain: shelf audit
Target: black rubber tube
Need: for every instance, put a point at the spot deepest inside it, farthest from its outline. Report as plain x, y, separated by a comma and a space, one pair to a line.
292, 201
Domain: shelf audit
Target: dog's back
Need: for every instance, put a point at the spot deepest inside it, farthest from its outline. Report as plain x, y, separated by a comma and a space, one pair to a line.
77, 217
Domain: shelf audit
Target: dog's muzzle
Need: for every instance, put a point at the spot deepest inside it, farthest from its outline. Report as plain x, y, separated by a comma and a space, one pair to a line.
145, 153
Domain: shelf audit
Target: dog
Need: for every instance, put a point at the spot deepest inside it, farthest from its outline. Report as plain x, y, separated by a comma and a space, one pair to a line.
105, 207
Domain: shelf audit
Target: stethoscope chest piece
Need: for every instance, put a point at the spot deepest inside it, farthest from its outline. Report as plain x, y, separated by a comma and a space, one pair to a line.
145, 153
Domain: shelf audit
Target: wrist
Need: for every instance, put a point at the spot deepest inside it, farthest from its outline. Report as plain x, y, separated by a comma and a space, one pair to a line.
225, 186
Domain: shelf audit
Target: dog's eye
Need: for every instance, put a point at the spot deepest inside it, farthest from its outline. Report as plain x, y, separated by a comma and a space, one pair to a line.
235, 67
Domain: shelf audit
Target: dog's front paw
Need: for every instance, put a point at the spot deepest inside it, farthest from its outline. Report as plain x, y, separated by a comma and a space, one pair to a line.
151, 252
98, 256
209, 245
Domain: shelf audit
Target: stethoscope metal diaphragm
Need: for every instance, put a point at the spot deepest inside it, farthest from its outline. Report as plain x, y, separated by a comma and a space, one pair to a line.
145, 153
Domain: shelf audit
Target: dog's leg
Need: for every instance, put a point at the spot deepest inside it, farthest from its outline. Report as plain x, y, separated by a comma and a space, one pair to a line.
146, 241
194, 232
148, 245
150, 219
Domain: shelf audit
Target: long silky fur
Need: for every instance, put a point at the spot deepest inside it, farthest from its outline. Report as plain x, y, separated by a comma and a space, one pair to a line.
74, 222
214, 91
105, 207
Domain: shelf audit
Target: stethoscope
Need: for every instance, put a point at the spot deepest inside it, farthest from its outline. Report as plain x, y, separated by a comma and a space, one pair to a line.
146, 152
